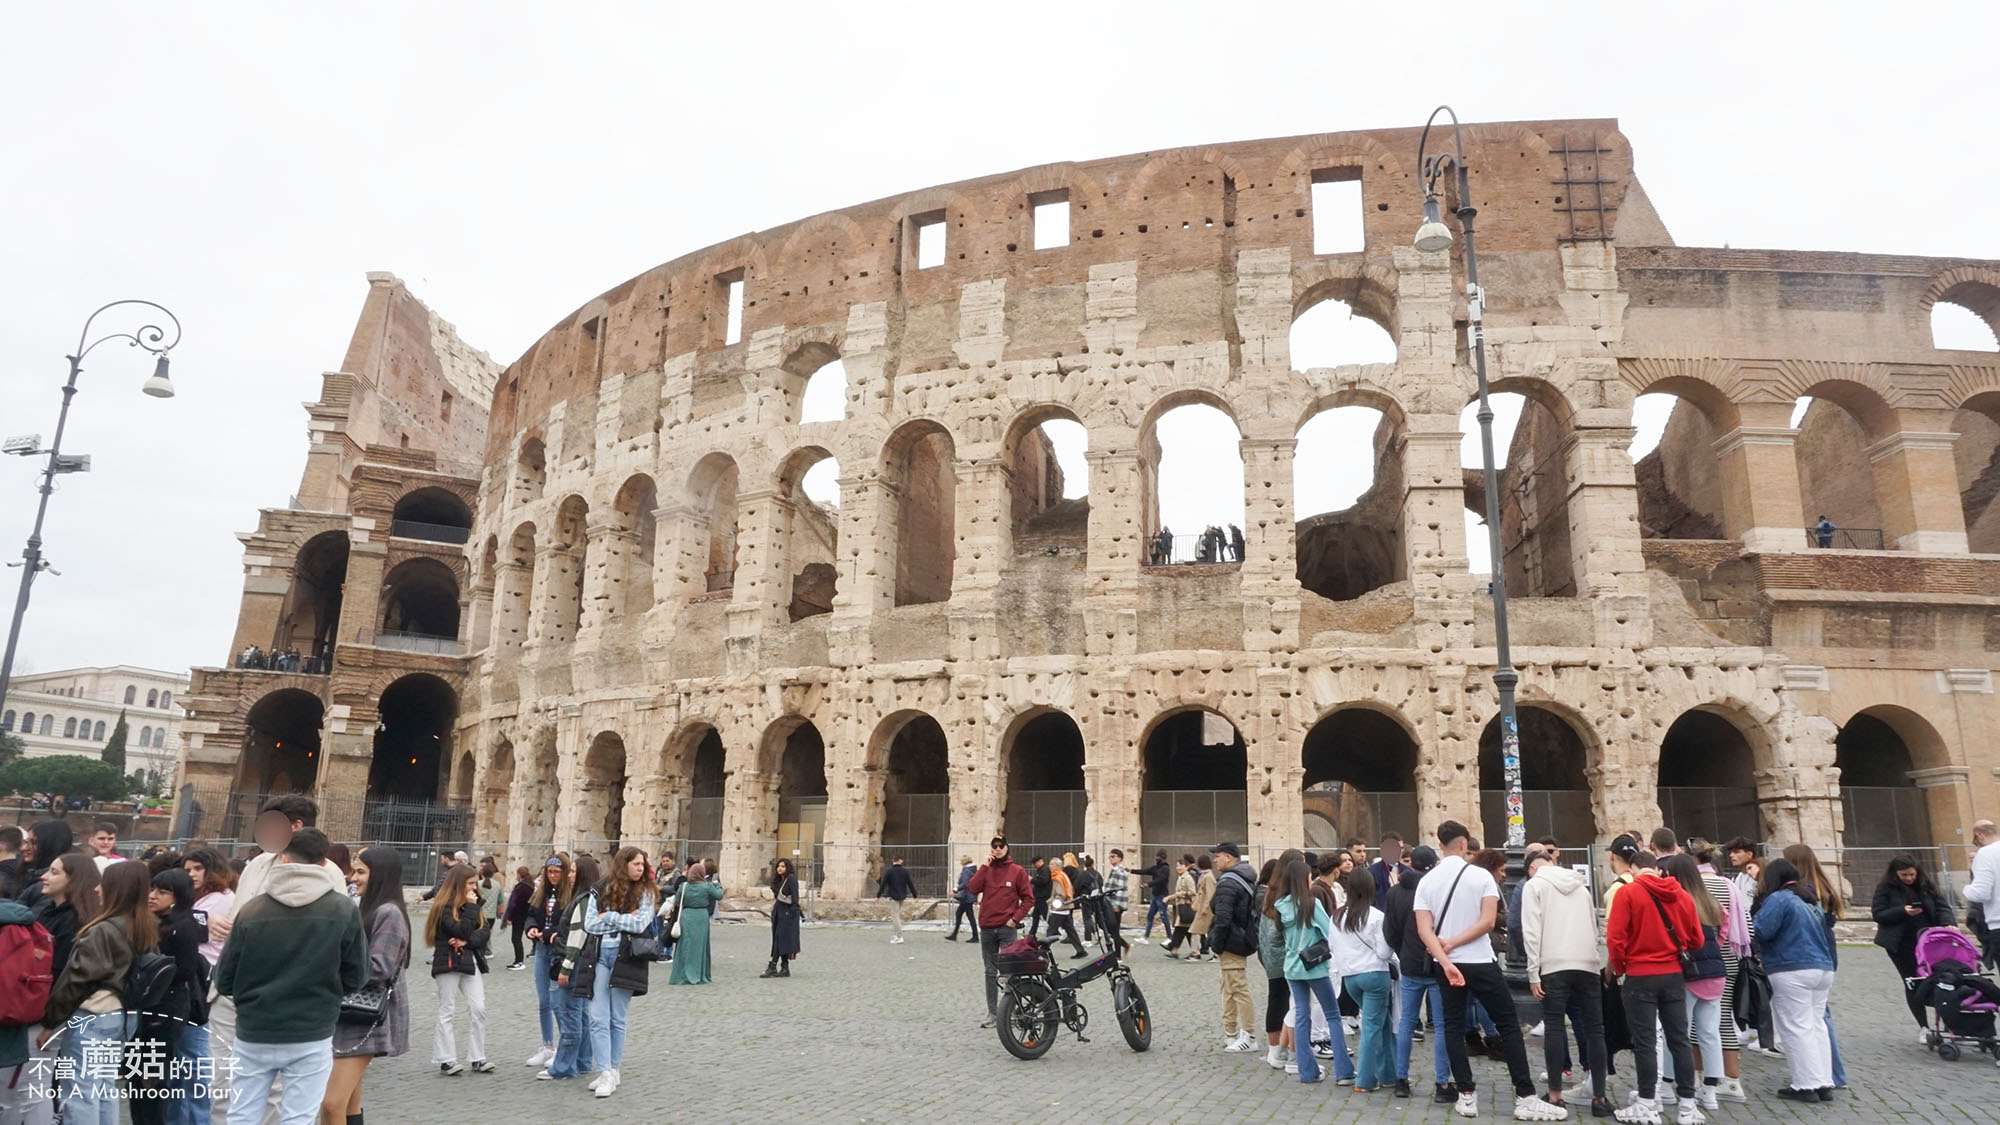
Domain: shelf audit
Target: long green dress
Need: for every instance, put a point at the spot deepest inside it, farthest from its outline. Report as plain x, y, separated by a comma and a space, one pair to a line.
691, 960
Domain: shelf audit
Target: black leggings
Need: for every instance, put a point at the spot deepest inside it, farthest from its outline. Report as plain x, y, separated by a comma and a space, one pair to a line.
519, 925
1905, 960
1277, 1002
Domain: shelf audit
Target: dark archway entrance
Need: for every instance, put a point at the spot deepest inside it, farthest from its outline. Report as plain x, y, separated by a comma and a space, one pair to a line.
1360, 779
412, 739
601, 806
312, 609
1883, 806
1194, 791
1708, 783
916, 804
1045, 794
799, 755
281, 744
1555, 789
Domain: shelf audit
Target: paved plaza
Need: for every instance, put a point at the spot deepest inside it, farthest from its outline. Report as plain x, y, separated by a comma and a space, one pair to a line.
866, 1031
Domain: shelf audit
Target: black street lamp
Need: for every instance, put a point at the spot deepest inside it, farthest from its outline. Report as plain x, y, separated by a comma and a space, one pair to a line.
148, 336
1432, 237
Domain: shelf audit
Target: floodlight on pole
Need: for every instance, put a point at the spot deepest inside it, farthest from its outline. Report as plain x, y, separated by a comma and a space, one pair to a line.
151, 337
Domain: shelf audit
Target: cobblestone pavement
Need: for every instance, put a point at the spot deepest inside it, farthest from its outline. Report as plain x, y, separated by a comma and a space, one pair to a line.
866, 1031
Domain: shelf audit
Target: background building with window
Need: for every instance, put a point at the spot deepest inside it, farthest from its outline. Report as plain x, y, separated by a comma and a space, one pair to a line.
74, 711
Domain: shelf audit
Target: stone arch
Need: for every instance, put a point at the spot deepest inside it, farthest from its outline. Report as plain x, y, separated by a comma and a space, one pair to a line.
1559, 751
1043, 752
1707, 774
920, 468
1844, 415
496, 785
1360, 762
531, 469
568, 553
432, 512
1332, 150
695, 764
420, 604
638, 529
601, 796
709, 560
1142, 191
803, 371
1682, 492
1044, 514
312, 606
1972, 288
809, 535
281, 743
792, 808
516, 586
1194, 783
1348, 538
461, 780
413, 736
1881, 752
909, 786
1535, 488
838, 223
1168, 492
1319, 331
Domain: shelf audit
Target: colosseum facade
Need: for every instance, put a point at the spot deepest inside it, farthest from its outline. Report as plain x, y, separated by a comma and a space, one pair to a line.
661, 638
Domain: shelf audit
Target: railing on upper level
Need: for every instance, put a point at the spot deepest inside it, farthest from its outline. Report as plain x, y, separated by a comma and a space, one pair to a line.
419, 642
431, 532
1201, 549
1846, 538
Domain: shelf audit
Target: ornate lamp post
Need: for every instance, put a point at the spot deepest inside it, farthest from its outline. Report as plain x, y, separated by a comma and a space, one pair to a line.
152, 338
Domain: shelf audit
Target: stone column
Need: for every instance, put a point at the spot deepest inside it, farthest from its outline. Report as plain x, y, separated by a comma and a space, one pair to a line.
1916, 485
1115, 547
1269, 578
605, 558
1760, 480
361, 597
1603, 510
984, 519
763, 589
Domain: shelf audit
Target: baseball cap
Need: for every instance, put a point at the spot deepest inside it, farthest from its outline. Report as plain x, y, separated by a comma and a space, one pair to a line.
998, 842
1423, 857
1624, 847
1228, 849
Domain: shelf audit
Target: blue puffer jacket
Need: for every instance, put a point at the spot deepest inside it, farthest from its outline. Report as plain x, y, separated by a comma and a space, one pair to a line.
1792, 935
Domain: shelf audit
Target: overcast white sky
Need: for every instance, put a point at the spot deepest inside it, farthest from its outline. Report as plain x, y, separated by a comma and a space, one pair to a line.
246, 164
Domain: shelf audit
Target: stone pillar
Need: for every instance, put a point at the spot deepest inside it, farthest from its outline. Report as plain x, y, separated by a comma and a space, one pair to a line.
749, 816
361, 597
763, 589
605, 558
866, 584
1115, 547
1603, 510
341, 787
1760, 480
570, 801
984, 530
1433, 501
1916, 485
1269, 578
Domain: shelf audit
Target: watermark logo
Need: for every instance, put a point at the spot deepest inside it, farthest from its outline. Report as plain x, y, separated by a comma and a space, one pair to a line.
109, 1056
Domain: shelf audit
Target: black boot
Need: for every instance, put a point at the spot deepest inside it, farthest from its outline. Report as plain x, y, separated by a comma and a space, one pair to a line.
770, 970
784, 966
353, 1119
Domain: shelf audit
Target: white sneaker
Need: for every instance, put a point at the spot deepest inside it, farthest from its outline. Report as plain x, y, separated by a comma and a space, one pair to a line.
1642, 1111
1537, 1108
1240, 1043
1468, 1104
1923, 1037
1536, 1031
1705, 1097
542, 1057
897, 940
1731, 1090
1352, 1024
1665, 1093
1292, 1066
600, 1079
544, 1076
609, 1085
1277, 1057
1690, 1114
1140, 941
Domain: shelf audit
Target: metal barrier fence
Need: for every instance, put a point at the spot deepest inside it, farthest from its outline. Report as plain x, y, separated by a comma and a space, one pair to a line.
1884, 816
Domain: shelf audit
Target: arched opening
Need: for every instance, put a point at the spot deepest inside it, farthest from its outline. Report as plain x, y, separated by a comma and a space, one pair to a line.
567, 558
540, 793
1977, 455
516, 584
921, 468
1679, 474
1555, 787
916, 803
1837, 423
1347, 494
811, 530
461, 781
1191, 480
1360, 778
281, 744
1045, 794
312, 608
1707, 779
1529, 446
818, 383
632, 569
601, 797
1963, 318
530, 471
701, 818
419, 606
494, 794
1194, 791
1048, 483
1331, 334
412, 739
433, 514
794, 747
711, 552
1881, 801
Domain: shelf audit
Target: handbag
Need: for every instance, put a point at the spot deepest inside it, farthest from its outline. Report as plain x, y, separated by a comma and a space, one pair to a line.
1316, 954
674, 917
645, 947
1690, 967
583, 982
365, 1005
1427, 965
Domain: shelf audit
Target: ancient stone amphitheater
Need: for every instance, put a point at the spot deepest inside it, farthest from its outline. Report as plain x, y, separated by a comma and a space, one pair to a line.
651, 633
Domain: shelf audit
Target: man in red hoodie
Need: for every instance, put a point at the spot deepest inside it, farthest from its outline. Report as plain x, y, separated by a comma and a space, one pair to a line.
1652, 921
1005, 897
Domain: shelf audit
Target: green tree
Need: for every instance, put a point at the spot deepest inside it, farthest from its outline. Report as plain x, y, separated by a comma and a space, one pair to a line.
72, 775
10, 748
114, 747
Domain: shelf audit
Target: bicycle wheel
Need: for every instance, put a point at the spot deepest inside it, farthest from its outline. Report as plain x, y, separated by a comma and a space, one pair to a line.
1133, 1017
1027, 1020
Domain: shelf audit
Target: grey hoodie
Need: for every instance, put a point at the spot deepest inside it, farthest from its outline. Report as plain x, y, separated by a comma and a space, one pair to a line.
1559, 923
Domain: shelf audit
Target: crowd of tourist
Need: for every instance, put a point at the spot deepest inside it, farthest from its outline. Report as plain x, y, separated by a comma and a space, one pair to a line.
273, 983
285, 660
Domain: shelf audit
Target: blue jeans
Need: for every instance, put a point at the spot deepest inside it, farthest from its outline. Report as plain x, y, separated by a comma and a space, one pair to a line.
304, 1066
607, 1010
1414, 989
94, 1046
545, 989
1839, 1071
1303, 992
573, 1055
188, 1109
1375, 1057
1158, 909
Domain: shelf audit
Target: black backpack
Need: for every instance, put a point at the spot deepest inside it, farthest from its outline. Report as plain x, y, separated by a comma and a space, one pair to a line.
153, 990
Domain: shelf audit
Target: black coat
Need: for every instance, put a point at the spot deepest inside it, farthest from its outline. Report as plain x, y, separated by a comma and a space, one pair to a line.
1234, 906
1161, 875
1399, 924
896, 883
1895, 930
785, 915
445, 959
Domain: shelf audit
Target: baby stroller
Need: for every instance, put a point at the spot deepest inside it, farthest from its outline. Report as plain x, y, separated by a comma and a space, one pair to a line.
1951, 986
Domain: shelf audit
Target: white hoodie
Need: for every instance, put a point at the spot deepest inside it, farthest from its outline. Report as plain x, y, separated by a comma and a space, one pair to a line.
1360, 952
1559, 923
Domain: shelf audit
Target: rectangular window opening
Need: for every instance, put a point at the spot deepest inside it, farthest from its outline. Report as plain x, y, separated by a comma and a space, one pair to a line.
444, 406
1336, 211
1051, 210
928, 234
732, 286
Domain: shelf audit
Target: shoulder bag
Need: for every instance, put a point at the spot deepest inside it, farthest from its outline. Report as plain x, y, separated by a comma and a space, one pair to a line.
1318, 953
1427, 965
1690, 967
674, 917
365, 1006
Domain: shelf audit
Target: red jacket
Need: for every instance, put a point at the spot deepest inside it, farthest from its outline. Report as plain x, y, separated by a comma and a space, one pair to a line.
1636, 935
1005, 894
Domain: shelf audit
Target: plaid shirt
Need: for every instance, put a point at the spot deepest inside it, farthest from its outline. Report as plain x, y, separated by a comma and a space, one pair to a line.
1118, 887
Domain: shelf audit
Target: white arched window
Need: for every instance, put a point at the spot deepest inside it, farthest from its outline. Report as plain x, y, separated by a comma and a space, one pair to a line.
69, 727
48, 724
7, 721
153, 698
166, 699
131, 693
145, 736
27, 722
97, 732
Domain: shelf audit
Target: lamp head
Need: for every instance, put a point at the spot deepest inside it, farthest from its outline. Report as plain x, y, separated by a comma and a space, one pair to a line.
1433, 235
159, 386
